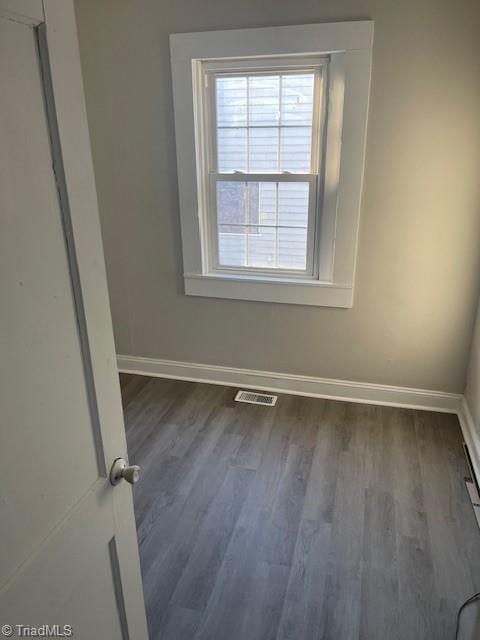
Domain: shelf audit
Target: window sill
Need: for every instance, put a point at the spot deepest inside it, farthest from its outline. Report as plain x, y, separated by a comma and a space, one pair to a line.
264, 289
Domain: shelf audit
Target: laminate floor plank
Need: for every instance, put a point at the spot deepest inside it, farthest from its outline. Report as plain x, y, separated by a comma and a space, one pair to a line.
342, 606
197, 581
311, 520
179, 623
322, 481
255, 426
302, 612
164, 571
419, 606
379, 616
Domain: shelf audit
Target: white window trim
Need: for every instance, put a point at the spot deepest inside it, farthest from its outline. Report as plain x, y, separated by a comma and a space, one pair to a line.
349, 47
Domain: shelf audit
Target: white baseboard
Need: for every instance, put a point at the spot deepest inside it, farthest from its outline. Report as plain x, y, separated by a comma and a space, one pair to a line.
470, 434
294, 384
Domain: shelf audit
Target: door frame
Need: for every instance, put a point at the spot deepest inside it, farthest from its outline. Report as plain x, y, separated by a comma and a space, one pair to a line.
55, 25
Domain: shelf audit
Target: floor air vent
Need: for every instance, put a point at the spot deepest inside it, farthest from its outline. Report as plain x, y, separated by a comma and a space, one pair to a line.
256, 398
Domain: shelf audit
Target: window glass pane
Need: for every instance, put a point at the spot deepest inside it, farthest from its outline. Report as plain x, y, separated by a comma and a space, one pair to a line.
267, 204
263, 224
231, 94
232, 150
293, 204
232, 246
263, 150
292, 248
253, 191
297, 99
263, 100
295, 149
231, 202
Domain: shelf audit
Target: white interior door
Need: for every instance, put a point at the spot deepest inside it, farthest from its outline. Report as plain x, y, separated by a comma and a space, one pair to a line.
68, 549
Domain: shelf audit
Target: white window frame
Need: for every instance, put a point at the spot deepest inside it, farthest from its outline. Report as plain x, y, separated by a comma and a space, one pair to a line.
347, 49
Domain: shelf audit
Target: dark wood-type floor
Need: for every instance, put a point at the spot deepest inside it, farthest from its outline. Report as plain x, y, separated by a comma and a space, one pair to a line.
316, 519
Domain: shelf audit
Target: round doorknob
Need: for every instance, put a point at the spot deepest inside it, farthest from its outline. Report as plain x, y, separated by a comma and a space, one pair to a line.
121, 470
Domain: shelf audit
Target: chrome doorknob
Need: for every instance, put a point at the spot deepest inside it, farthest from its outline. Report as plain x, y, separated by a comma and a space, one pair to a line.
121, 470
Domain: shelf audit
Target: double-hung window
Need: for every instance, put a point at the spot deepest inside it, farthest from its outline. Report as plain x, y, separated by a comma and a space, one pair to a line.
270, 129
264, 132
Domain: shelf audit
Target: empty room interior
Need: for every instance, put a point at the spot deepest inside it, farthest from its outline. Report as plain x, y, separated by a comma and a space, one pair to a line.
240, 276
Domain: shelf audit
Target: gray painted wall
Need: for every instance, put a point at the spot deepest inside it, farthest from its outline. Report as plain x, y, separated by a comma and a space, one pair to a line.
418, 264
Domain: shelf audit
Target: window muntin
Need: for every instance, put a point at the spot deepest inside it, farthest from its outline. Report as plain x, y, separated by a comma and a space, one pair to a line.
264, 139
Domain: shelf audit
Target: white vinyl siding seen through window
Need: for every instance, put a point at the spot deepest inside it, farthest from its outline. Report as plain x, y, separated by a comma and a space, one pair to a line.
270, 129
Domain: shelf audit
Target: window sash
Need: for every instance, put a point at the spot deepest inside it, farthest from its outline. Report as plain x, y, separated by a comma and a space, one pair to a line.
311, 266
281, 67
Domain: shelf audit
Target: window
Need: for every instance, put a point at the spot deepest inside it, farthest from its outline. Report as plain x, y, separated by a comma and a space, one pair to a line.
260, 126
264, 137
